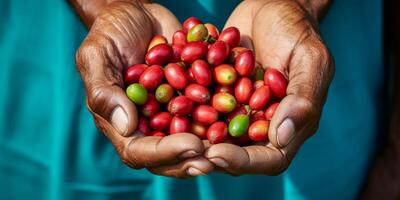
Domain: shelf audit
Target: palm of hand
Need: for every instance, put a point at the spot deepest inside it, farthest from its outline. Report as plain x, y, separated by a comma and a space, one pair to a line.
283, 36
117, 39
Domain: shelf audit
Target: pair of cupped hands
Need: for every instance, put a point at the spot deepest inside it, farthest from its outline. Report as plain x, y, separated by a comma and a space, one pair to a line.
283, 34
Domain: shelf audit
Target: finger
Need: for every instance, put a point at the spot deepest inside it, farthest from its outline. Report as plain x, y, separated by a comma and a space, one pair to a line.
295, 49
123, 30
206, 144
278, 28
191, 167
164, 22
111, 45
310, 74
100, 61
256, 159
105, 97
151, 151
241, 19
154, 151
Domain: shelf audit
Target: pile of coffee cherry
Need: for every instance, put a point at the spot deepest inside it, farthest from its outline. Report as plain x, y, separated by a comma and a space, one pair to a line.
204, 83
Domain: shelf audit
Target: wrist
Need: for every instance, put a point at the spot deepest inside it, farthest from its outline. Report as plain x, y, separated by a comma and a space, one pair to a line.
316, 8
89, 9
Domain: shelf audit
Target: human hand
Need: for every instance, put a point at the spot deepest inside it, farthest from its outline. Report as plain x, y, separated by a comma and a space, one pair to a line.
283, 36
117, 39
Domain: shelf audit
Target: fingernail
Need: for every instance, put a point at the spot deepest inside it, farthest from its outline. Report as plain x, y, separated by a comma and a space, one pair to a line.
219, 162
119, 120
194, 172
189, 154
285, 132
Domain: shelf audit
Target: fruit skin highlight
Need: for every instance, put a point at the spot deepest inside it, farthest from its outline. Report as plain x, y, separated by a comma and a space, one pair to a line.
276, 82
234, 52
244, 63
230, 36
176, 76
164, 93
217, 53
133, 73
201, 72
179, 38
239, 125
197, 33
159, 55
260, 98
152, 77
158, 39
217, 132
199, 130
212, 31
224, 102
205, 115
243, 90
161, 121
179, 125
180, 106
189, 23
258, 130
193, 51
225, 74
269, 113
197, 93
137, 93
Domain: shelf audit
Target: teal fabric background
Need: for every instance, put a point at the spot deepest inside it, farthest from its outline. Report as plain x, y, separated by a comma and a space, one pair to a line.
50, 148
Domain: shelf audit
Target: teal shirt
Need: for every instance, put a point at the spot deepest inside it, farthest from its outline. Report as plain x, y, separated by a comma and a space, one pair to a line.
51, 149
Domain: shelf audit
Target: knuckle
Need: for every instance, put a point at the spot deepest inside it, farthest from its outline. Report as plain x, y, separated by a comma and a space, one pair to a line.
91, 49
326, 61
82, 56
320, 54
280, 170
317, 72
97, 98
283, 166
126, 157
308, 107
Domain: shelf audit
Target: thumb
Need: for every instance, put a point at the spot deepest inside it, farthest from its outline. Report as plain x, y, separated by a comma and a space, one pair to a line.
114, 113
297, 116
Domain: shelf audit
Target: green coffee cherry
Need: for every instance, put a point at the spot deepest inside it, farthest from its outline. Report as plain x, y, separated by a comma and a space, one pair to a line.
137, 93
197, 33
239, 125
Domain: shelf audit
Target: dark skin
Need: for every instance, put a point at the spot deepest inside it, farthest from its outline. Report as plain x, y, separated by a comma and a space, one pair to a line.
118, 37
295, 48
103, 56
